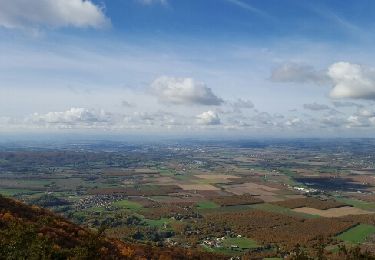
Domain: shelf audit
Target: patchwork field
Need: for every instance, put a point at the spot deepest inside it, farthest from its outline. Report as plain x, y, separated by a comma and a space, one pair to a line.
232, 198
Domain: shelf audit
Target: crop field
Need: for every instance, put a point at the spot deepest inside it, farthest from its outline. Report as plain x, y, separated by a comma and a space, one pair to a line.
241, 242
358, 203
357, 234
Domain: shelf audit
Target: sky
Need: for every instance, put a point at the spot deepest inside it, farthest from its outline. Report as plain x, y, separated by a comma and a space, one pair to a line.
249, 68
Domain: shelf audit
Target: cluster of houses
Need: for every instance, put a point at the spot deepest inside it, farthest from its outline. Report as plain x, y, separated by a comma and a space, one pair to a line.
97, 201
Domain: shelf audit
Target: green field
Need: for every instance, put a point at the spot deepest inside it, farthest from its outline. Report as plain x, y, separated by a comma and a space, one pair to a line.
357, 234
358, 203
207, 205
241, 242
158, 223
126, 204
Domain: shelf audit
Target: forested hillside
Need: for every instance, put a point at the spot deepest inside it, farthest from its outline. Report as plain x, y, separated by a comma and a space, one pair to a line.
30, 232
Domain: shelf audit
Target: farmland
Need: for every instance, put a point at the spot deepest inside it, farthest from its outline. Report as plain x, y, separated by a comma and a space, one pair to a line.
234, 198
357, 234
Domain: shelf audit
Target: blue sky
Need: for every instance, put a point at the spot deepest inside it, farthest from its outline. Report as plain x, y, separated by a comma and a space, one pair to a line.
234, 67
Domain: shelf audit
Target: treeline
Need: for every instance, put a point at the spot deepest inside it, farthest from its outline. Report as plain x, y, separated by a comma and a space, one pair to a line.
245, 199
310, 202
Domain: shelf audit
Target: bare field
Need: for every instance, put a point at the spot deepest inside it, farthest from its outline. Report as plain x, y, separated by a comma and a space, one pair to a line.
333, 212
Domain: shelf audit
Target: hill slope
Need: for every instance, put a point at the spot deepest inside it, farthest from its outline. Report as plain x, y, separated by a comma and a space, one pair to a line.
30, 232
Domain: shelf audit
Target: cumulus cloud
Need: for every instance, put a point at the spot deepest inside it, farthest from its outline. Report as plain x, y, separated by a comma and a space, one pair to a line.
316, 107
73, 116
184, 91
208, 118
51, 13
352, 81
298, 73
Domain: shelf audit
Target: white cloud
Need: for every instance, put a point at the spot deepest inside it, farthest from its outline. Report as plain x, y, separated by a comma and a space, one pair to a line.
184, 91
51, 13
298, 73
352, 81
316, 107
208, 118
73, 116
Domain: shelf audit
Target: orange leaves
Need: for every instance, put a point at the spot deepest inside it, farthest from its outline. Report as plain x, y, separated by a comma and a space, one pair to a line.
7, 216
